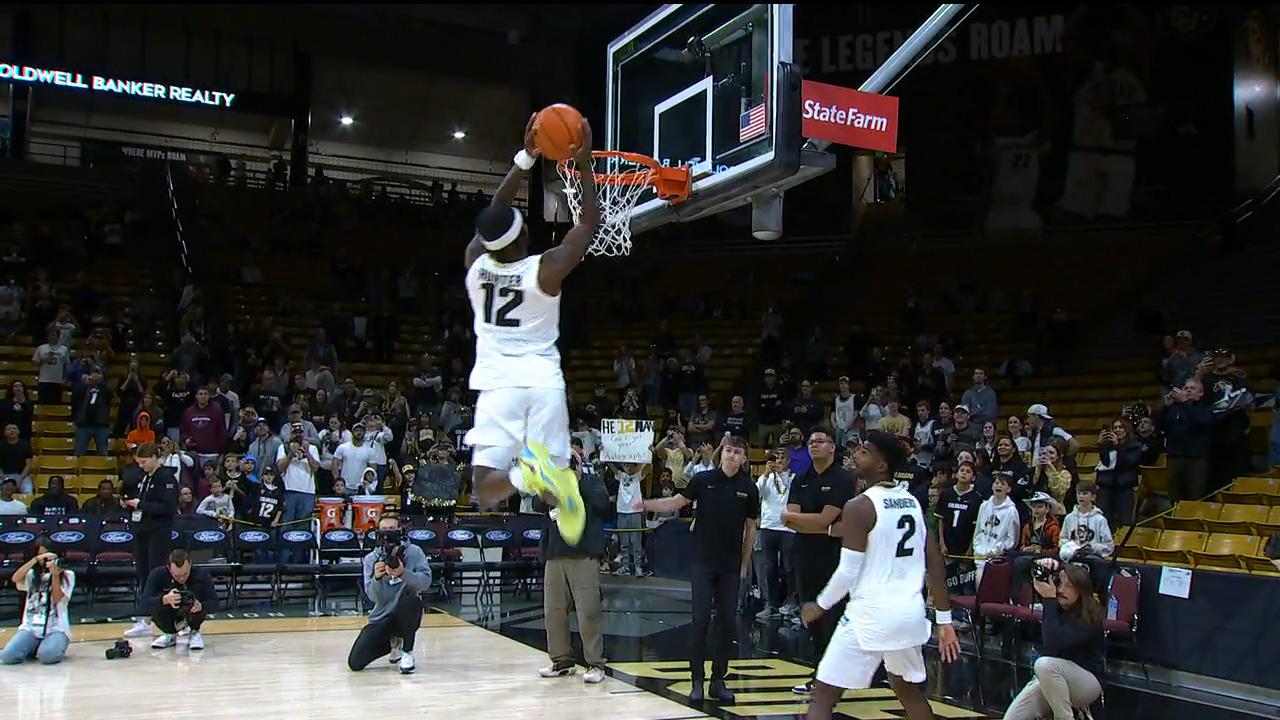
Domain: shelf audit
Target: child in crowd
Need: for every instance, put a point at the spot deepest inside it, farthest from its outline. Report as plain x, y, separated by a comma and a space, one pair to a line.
998, 527
1086, 537
217, 505
958, 511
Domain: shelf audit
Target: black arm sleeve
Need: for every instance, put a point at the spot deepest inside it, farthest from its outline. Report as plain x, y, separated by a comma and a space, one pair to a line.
149, 598
201, 584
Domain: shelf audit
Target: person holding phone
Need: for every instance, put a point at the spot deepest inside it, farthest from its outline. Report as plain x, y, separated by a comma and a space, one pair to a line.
1119, 455
773, 559
1066, 673
45, 631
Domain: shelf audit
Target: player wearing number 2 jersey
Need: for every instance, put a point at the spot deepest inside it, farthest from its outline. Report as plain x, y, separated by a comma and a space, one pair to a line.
522, 411
886, 552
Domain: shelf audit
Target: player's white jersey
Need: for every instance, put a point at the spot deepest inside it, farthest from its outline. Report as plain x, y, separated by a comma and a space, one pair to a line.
516, 326
887, 606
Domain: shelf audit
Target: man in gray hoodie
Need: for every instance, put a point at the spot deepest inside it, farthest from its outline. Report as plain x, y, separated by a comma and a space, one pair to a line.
396, 573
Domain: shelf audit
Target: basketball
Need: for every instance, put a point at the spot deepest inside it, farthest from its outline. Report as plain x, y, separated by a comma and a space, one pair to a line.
557, 130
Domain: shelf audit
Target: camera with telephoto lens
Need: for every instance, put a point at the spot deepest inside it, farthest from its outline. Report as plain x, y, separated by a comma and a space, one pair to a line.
122, 649
1043, 573
392, 547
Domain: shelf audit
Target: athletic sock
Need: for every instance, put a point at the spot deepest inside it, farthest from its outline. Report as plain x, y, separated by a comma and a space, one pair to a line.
517, 478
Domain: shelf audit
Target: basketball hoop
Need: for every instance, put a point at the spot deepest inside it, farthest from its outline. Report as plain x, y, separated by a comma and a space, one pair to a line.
621, 178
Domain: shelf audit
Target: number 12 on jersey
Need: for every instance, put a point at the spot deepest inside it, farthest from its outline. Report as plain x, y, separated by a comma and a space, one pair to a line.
515, 297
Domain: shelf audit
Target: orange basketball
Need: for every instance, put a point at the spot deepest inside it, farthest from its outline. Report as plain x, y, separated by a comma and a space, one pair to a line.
557, 130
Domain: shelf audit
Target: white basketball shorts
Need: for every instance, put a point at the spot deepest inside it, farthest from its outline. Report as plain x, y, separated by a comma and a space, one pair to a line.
508, 418
846, 665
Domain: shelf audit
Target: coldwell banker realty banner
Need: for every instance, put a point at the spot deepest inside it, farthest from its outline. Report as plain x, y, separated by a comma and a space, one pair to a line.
115, 86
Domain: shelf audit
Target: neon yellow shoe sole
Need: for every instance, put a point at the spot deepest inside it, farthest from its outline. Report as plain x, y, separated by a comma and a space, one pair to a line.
541, 474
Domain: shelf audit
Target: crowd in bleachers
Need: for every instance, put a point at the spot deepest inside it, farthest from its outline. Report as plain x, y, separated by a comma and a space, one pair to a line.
365, 362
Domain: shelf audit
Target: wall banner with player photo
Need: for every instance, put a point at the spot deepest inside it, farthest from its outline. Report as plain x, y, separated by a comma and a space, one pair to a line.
626, 441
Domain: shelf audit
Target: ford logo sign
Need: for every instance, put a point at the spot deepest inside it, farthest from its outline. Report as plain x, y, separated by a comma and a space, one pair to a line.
497, 536
254, 536
533, 534
461, 535
209, 536
67, 537
116, 537
20, 537
422, 535
297, 536
339, 536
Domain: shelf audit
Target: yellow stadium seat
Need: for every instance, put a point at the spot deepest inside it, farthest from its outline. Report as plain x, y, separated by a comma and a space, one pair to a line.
1237, 519
1262, 485
1190, 514
1221, 551
1134, 542
1173, 547
55, 464
52, 412
98, 463
54, 445
1153, 480
89, 482
55, 428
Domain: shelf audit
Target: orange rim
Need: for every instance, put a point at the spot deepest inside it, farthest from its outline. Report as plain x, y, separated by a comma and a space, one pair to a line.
670, 183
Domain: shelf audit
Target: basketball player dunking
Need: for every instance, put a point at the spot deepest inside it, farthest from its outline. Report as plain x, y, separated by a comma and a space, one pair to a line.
522, 411
887, 548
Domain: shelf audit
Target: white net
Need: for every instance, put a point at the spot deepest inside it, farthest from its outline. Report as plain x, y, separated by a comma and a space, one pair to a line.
616, 199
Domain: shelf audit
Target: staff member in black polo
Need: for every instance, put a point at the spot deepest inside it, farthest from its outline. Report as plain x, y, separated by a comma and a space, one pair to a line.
724, 531
151, 505
813, 507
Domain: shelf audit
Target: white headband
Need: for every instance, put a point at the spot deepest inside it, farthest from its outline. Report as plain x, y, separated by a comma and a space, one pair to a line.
509, 236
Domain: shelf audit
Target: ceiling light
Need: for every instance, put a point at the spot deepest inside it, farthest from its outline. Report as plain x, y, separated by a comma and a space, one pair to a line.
347, 120
459, 134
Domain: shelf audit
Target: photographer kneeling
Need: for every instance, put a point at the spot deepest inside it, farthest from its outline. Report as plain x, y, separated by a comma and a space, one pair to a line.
395, 575
177, 596
1066, 673
45, 631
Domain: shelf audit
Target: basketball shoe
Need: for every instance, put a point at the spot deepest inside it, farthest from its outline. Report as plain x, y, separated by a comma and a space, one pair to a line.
541, 475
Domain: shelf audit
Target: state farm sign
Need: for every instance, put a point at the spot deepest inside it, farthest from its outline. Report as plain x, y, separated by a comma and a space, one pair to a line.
849, 117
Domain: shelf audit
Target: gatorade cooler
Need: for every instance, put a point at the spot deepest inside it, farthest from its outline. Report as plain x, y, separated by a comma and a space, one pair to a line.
330, 512
366, 511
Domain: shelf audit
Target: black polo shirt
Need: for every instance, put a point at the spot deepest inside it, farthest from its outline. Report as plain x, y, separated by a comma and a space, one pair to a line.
724, 506
812, 491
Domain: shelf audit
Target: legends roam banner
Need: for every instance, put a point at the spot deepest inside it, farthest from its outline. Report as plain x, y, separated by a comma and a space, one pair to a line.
1036, 114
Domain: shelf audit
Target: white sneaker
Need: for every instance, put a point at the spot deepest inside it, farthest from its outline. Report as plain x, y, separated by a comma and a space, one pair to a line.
407, 666
396, 651
551, 671
196, 642
141, 628
164, 641
593, 675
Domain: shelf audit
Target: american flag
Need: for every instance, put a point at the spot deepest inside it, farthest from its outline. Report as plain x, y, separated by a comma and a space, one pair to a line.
752, 122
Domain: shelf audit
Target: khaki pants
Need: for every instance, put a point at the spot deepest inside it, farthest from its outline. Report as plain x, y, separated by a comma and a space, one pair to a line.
573, 582
1059, 686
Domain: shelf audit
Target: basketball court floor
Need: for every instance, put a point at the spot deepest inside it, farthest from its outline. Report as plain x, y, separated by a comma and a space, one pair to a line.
482, 662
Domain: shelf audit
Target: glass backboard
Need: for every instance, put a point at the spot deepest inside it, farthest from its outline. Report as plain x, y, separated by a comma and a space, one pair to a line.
696, 85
